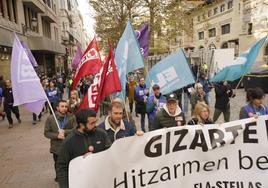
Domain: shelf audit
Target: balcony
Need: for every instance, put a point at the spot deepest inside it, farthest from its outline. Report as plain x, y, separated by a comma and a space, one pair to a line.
36, 5
45, 44
49, 15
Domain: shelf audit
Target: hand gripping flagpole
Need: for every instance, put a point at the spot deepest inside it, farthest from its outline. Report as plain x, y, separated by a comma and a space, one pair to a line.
53, 113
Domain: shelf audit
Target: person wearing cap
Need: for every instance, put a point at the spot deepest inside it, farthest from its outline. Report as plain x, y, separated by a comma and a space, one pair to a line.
170, 115
84, 140
114, 125
140, 95
154, 104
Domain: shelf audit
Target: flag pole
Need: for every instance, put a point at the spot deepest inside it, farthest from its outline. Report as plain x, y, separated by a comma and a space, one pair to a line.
53, 113
125, 105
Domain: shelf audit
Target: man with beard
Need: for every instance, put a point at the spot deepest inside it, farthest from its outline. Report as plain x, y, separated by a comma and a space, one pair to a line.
170, 115
114, 124
57, 134
154, 104
84, 140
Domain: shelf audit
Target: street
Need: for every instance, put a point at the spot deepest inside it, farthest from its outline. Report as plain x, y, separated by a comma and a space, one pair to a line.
25, 161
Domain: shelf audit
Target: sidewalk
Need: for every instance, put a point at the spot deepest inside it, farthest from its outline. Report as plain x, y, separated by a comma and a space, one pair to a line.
25, 161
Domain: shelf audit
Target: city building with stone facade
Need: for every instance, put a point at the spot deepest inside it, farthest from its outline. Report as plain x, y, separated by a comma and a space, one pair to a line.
73, 33
234, 24
45, 25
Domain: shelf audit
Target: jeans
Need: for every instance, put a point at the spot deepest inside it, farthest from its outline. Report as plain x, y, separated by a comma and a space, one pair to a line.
35, 116
143, 122
8, 108
55, 157
226, 114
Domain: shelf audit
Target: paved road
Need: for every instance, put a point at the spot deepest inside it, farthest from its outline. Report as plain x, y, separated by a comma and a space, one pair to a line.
25, 161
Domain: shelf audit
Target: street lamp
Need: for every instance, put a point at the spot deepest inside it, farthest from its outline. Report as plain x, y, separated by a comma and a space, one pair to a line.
34, 22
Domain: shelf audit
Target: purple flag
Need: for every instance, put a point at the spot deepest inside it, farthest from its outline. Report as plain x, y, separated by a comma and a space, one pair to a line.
26, 86
29, 54
143, 36
77, 57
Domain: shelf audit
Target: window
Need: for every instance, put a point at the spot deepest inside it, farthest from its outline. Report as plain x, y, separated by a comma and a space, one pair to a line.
250, 28
11, 10
266, 50
62, 3
1, 8
56, 34
46, 28
215, 11
209, 13
69, 5
222, 7
225, 29
230, 4
201, 35
29, 15
212, 32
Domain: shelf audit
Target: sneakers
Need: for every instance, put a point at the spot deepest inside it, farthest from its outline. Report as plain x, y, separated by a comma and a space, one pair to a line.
34, 122
10, 126
19, 121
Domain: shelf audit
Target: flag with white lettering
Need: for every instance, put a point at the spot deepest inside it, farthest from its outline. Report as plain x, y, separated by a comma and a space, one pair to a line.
110, 80
90, 62
26, 86
171, 73
143, 38
91, 99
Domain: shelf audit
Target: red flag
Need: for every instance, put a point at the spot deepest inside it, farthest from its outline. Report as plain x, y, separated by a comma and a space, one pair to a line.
105, 83
110, 79
90, 62
91, 99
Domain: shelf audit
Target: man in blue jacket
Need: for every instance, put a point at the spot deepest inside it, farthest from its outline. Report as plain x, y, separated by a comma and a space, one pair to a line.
154, 104
140, 96
114, 125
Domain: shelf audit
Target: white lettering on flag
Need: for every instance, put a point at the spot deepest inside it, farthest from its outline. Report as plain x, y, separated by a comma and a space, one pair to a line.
166, 76
26, 72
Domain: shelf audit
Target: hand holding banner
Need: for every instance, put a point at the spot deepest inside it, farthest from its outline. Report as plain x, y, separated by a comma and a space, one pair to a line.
233, 154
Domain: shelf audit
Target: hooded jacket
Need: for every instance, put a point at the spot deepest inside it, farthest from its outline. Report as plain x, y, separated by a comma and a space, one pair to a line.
164, 119
75, 145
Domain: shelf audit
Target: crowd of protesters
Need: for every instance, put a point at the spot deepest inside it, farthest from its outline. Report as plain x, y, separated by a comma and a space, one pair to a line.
73, 132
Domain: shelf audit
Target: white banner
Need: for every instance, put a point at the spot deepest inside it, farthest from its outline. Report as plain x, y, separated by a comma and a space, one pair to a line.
230, 155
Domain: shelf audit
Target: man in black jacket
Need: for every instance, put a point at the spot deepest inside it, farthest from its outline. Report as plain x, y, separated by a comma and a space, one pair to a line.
170, 115
223, 92
8, 104
86, 139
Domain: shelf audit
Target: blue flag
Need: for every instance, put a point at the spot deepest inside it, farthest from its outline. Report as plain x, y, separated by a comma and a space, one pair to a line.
171, 73
242, 64
128, 56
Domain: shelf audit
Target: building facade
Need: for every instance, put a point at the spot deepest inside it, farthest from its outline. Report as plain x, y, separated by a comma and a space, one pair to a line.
51, 28
36, 23
72, 31
234, 24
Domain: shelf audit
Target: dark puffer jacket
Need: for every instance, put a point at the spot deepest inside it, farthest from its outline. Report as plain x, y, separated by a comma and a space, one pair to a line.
164, 119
